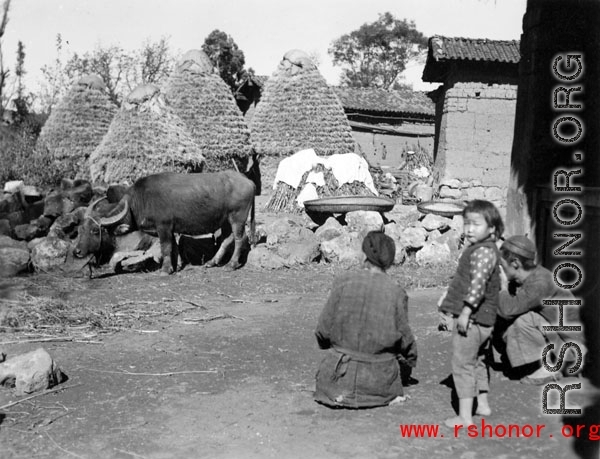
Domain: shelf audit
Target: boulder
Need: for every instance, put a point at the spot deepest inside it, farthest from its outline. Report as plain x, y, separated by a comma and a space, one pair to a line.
450, 237
29, 231
300, 252
50, 253
55, 204
16, 218
434, 253
31, 372
394, 230
262, 257
345, 249
14, 256
330, 229
10, 202
413, 237
285, 229
363, 221
433, 222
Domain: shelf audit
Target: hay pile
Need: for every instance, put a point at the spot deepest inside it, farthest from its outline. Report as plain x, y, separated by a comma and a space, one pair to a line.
76, 126
199, 96
145, 137
298, 110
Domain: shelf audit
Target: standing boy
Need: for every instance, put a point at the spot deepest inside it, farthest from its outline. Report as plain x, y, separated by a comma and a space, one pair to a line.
472, 300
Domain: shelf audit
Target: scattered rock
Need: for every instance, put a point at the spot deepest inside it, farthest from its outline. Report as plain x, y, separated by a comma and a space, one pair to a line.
413, 237
31, 372
49, 253
299, 252
10, 202
14, 256
262, 257
363, 221
29, 231
433, 222
450, 237
434, 253
345, 248
330, 229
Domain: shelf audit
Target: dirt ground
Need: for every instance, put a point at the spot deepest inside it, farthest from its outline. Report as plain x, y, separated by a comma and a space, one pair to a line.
216, 364
209, 363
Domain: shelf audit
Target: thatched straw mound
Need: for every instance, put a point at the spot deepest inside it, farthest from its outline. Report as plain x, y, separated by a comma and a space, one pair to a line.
145, 137
298, 110
76, 126
200, 97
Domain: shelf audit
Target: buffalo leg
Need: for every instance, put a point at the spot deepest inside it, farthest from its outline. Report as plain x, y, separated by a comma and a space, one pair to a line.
238, 234
166, 238
216, 260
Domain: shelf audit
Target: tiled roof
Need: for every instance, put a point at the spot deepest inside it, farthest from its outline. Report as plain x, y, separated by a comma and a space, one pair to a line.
474, 49
381, 100
445, 51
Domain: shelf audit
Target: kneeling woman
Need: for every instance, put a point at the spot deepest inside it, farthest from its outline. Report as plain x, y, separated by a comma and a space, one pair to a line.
364, 326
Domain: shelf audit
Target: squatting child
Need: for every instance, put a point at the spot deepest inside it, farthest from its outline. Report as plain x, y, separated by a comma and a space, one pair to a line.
472, 300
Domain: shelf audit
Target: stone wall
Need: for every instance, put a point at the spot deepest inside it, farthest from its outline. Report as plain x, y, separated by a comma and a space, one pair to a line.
475, 139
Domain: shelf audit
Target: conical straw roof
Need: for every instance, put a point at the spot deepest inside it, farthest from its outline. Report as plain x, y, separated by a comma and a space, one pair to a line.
77, 125
200, 97
145, 137
298, 110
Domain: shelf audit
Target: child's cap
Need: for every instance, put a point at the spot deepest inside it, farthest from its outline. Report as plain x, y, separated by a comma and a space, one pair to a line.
520, 245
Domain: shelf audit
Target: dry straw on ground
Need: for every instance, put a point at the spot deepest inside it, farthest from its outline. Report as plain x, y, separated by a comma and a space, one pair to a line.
200, 97
77, 125
145, 137
298, 110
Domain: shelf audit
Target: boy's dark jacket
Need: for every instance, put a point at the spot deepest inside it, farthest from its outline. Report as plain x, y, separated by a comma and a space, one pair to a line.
484, 313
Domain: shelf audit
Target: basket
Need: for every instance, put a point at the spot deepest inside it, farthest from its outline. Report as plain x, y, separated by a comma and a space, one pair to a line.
343, 204
442, 208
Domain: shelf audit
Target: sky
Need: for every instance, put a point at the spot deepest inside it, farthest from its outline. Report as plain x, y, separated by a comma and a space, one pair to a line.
263, 29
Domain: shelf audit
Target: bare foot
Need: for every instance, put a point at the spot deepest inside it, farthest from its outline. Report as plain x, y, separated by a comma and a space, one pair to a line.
483, 410
457, 421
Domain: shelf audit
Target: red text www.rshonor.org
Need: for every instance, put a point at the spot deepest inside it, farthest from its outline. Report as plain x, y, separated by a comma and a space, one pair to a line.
487, 430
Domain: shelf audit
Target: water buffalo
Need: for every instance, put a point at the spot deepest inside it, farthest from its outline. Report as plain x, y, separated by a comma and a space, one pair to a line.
168, 203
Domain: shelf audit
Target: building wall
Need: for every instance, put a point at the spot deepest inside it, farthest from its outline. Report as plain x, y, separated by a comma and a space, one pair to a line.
388, 149
475, 139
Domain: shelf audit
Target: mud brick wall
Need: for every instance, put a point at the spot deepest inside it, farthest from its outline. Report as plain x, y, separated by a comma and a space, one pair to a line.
475, 138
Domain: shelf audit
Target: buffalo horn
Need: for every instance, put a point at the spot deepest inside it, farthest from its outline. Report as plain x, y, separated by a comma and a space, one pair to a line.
109, 221
90, 208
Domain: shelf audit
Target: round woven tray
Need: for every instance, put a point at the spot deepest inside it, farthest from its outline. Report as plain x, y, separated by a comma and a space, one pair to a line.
442, 208
343, 204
